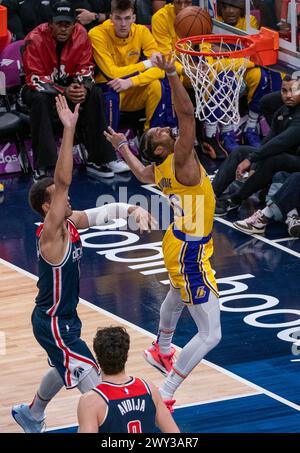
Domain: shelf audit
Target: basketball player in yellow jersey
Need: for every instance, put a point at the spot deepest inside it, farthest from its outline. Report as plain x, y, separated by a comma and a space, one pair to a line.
187, 244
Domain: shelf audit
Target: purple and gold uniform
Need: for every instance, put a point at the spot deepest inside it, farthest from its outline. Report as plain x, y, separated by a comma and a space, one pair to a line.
188, 244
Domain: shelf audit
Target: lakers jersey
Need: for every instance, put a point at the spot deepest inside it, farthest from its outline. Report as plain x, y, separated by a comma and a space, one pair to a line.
193, 206
130, 407
59, 284
187, 244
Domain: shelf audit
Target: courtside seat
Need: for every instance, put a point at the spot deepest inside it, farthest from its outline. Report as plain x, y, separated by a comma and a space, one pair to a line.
11, 127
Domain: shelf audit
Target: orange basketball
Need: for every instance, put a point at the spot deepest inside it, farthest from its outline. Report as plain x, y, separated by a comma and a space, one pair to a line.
193, 21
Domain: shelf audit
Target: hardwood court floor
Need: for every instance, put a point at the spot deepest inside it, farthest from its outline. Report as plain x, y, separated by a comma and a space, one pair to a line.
24, 362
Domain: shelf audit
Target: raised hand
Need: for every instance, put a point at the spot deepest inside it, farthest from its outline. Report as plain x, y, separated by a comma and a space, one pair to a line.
115, 138
67, 117
166, 63
144, 220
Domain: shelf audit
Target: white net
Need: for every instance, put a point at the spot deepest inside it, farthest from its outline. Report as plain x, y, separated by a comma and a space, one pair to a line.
216, 80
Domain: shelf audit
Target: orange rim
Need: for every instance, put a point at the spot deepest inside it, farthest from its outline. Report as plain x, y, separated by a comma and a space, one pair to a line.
246, 41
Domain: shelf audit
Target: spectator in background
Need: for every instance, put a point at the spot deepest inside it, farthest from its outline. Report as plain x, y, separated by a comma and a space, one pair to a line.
25, 15
232, 12
118, 46
259, 81
146, 8
14, 22
91, 12
164, 32
58, 59
283, 205
280, 151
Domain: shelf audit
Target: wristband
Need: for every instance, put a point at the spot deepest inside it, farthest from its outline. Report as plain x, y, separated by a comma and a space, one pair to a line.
171, 73
124, 142
148, 64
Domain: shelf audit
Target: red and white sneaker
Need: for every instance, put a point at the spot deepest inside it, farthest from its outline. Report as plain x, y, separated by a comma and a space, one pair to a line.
170, 404
163, 362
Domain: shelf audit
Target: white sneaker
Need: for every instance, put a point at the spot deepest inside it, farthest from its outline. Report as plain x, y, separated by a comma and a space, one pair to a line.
21, 413
118, 166
255, 224
293, 223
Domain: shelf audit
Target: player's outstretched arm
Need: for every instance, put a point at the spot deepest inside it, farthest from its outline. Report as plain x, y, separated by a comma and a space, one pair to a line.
119, 141
55, 218
103, 214
183, 107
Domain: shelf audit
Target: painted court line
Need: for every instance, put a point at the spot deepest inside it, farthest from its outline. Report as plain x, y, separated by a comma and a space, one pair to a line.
182, 406
261, 238
55, 428
217, 400
149, 334
290, 238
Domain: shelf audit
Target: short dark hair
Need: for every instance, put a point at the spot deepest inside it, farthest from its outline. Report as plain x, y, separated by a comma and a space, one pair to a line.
287, 78
111, 346
122, 5
39, 194
147, 147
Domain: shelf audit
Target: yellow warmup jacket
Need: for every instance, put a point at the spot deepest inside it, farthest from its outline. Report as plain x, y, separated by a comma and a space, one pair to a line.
119, 57
164, 32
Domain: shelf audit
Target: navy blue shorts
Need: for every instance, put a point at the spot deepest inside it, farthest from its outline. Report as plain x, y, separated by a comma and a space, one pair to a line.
60, 337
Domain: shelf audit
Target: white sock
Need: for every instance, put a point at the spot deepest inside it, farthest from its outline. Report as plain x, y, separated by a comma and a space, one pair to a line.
170, 385
207, 319
267, 212
164, 340
252, 120
292, 212
49, 387
210, 130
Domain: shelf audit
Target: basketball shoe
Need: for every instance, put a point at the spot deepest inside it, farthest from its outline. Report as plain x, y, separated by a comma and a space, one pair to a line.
255, 224
251, 137
293, 224
229, 141
163, 362
21, 413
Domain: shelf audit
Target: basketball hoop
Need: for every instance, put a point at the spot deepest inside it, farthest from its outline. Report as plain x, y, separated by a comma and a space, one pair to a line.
216, 70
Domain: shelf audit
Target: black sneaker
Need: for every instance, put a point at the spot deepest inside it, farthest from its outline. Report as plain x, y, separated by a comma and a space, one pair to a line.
214, 149
224, 206
38, 174
99, 170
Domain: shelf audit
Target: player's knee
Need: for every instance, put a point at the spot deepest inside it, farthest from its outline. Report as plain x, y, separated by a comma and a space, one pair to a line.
217, 336
213, 338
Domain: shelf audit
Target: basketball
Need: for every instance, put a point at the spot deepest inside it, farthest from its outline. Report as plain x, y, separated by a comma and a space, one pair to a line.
193, 21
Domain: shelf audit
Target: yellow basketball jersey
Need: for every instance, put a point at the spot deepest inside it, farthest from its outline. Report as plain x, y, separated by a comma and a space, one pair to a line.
193, 206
